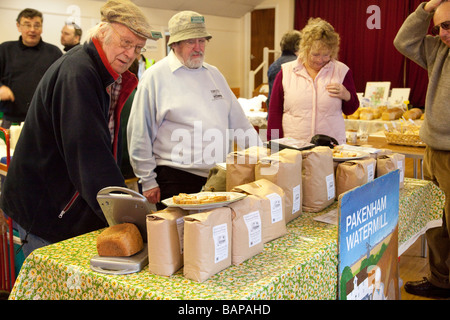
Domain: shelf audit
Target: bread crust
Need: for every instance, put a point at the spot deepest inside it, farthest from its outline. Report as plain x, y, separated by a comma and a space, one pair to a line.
184, 198
121, 240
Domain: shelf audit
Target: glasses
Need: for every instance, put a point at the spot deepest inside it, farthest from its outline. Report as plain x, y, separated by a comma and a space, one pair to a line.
127, 44
436, 29
29, 26
193, 42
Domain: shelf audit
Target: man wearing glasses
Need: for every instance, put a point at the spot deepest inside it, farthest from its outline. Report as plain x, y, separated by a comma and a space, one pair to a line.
432, 53
22, 65
181, 115
69, 147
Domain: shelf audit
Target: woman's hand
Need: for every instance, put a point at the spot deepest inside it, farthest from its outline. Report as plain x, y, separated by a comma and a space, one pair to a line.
337, 90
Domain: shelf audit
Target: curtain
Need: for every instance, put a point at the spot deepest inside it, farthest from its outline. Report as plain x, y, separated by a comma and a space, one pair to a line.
367, 29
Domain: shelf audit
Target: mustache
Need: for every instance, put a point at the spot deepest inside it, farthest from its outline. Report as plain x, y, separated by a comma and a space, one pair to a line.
198, 53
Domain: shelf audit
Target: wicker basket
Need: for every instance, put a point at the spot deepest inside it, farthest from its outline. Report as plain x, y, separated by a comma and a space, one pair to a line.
404, 139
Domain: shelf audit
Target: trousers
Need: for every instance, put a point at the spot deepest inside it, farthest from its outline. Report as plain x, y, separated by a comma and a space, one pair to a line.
436, 168
30, 242
172, 181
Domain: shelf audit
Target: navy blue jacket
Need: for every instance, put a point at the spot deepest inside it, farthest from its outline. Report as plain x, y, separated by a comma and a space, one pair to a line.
21, 69
64, 155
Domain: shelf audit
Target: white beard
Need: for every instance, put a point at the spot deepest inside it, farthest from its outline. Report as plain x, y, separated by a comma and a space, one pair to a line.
194, 63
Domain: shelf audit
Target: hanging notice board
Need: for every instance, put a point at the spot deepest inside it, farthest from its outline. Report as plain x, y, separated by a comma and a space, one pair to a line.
368, 240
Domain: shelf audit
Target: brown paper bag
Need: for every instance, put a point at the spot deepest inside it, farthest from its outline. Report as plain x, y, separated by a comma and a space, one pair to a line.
241, 166
272, 207
165, 231
284, 168
355, 173
246, 229
391, 162
318, 179
207, 243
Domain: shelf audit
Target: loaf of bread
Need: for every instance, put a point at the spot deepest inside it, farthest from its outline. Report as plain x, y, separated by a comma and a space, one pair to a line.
378, 111
121, 240
392, 114
366, 114
413, 114
355, 115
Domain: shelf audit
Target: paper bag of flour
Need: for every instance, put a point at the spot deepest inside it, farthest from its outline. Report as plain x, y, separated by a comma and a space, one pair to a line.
241, 166
246, 229
272, 208
318, 182
207, 243
352, 174
165, 231
391, 162
284, 168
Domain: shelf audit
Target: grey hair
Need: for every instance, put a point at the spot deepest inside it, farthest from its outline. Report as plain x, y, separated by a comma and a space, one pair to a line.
97, 30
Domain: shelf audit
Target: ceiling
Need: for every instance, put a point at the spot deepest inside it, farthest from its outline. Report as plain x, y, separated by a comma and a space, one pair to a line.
221, 8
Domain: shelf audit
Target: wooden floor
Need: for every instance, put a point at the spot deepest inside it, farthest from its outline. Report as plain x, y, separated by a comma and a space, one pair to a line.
412, 267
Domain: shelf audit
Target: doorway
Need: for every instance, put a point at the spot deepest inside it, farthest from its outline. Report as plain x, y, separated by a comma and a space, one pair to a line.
262, 35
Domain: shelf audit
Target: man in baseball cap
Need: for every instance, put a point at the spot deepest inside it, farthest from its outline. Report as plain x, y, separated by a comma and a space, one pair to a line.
70, 144
180, 100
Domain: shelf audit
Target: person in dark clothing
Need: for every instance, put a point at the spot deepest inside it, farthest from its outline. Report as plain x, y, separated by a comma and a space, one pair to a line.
289, 45
70, 35
70, 144
22, 64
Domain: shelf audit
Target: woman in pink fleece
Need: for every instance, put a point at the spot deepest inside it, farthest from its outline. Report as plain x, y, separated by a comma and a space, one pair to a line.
310, 94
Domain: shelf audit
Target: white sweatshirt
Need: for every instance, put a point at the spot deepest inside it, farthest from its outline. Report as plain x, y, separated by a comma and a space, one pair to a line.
184, 118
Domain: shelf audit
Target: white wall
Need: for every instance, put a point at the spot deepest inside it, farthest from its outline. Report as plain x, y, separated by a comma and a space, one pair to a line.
228, 49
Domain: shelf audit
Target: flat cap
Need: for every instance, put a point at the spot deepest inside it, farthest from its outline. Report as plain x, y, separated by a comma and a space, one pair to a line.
128, 14
187, 25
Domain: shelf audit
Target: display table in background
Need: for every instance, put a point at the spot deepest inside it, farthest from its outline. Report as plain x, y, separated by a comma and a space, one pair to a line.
375, 126
300, 265
415, 153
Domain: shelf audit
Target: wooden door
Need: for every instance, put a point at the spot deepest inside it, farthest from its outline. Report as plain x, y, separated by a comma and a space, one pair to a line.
262, 35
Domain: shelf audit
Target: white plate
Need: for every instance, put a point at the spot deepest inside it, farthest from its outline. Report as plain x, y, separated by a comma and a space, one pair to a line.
232, 196
359, 155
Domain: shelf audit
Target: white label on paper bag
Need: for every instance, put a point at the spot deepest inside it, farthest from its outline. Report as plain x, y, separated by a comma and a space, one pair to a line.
180, 229
253, 223
296, 197
276, 207
402, 173
370, 172
330, 186
220, 235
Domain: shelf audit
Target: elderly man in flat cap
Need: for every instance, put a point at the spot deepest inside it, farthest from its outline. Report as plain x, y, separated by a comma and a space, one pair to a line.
69, 146
183, 116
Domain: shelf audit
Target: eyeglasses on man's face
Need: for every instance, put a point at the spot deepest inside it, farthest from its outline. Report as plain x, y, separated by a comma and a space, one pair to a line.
436, 29
190, 43
127, 44
29, 26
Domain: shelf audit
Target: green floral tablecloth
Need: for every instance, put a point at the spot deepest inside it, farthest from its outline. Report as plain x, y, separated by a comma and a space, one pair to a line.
300, 265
